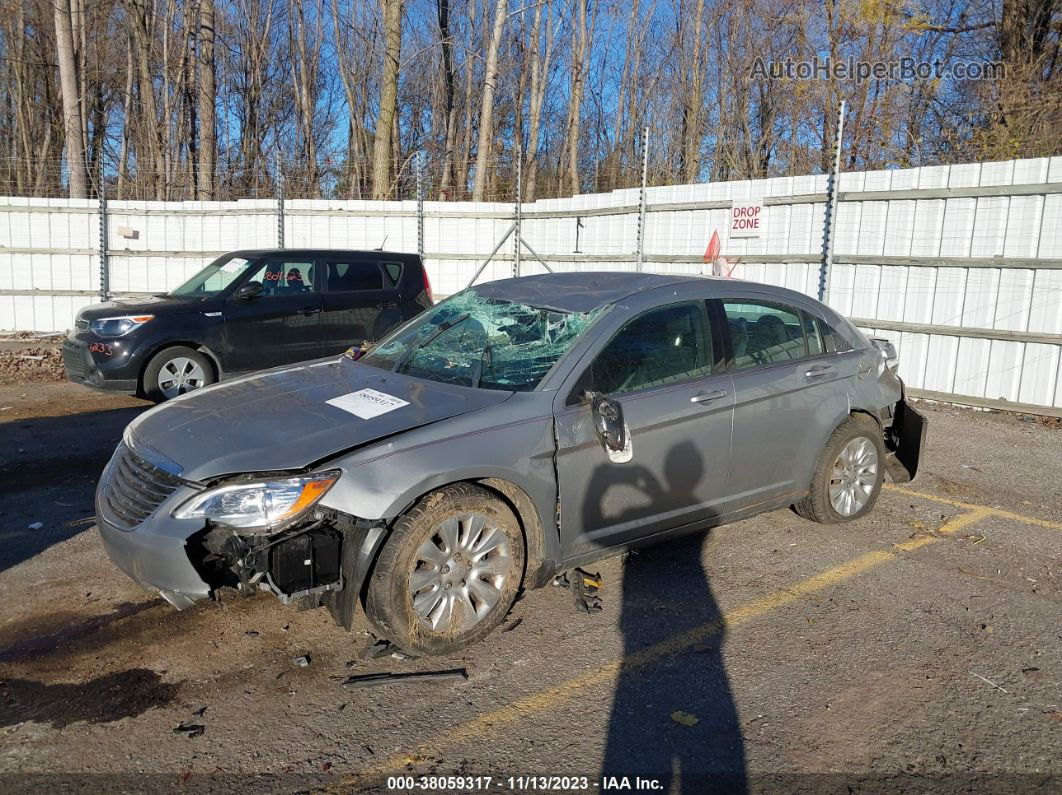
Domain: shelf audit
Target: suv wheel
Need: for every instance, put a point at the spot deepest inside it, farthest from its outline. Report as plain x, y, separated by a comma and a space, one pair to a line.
449, 572
848, 475
175, 371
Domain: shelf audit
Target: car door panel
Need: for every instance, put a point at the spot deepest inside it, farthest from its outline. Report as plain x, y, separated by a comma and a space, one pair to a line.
280, 326
679, 434
360, 304
787, 402
676, 475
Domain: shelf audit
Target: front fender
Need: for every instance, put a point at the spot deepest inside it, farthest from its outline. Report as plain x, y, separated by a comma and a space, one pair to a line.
381, 481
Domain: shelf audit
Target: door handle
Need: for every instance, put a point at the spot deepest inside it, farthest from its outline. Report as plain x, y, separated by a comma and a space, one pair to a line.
309, 310
708, 397
389, 304
819, 370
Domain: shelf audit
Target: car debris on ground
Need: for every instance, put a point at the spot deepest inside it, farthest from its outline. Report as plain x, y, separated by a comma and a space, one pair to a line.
189, 729
372, 680
584, 587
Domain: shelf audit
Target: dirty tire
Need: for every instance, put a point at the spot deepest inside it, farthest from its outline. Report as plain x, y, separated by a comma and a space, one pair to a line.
389, 602
149, 381
816, 506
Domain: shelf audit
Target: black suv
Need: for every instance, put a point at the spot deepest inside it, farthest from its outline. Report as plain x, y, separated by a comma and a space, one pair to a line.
246, 311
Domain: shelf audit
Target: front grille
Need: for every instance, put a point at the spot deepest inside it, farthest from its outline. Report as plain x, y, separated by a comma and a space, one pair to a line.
133, 488
74, 361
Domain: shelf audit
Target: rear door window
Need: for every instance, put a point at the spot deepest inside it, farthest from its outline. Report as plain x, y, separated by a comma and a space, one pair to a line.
284, 277
764, 332
663, 346
351, 276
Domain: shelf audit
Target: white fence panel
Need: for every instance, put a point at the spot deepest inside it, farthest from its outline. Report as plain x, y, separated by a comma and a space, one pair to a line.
960, 265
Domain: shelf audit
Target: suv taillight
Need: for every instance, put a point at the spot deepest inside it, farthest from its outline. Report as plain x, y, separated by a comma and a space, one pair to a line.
427, 284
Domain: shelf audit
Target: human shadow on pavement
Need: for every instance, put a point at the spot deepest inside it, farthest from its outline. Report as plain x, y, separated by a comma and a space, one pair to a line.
666, 593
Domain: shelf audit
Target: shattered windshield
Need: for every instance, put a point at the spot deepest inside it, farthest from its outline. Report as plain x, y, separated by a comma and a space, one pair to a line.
481, 342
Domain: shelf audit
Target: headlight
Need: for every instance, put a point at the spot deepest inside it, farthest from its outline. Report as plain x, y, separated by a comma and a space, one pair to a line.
259, 506
117, 326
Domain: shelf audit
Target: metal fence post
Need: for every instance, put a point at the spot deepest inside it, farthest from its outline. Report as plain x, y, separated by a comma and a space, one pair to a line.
101, 196
518, 208
641, 199
420, 203
829, 217
278, 179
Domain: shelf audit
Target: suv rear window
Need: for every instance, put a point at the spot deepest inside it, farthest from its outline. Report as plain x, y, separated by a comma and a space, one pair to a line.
353, 276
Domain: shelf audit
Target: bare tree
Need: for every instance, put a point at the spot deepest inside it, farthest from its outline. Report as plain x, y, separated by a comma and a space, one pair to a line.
207, 101
73, 121
486, 108
383, 145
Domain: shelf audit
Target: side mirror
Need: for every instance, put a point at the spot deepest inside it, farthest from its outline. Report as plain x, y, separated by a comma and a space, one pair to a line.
608, 421
245, 292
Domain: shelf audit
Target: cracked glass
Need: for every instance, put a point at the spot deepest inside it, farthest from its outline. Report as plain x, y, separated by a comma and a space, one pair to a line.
481, 342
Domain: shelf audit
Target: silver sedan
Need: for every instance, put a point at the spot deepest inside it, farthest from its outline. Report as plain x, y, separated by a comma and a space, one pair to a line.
514, 431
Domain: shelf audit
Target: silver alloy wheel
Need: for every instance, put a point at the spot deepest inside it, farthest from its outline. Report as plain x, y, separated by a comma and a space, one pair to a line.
854, 475
179, 375
459, 572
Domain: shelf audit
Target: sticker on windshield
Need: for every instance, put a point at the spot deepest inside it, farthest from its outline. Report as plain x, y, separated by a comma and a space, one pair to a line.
367, 403
233, 265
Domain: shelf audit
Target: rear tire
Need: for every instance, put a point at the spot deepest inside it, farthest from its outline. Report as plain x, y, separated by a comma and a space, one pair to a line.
449, 572
174, 371
848, 474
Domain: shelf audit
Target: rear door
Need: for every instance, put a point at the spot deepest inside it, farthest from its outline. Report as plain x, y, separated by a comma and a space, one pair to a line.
664, 367
789, 395
360, 300
281, 325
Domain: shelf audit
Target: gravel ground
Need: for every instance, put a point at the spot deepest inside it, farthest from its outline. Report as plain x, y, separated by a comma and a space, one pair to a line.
918, 649
29, 357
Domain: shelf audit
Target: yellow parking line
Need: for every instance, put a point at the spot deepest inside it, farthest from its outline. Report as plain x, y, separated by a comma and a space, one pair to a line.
972, 506
548, 699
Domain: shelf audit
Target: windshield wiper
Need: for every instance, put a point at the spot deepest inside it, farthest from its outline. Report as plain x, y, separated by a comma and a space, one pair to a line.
428, 340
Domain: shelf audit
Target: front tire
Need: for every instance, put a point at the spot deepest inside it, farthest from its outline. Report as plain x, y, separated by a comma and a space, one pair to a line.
848, 475
174, 371
449, 572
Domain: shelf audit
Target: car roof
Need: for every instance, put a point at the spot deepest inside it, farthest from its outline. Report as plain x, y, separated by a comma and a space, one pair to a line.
316, 252
576, 291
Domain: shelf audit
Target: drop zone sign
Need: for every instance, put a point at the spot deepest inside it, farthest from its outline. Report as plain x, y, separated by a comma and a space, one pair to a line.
746, 220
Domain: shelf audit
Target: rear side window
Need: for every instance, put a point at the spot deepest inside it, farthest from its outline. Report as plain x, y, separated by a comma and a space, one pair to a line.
833, 342
352, 276
764, 332
663, 346
393, 271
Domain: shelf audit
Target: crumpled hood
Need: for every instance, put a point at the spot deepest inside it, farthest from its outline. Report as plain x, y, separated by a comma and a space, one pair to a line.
279, 419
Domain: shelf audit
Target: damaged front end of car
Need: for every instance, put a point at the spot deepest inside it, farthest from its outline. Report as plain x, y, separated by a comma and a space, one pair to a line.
323, 560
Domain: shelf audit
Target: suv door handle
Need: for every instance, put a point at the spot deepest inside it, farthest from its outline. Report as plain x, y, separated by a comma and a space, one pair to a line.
708, 397
388, 304
309, 310
819, 370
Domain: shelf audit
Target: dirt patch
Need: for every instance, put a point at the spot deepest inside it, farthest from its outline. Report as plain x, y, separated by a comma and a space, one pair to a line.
28, 358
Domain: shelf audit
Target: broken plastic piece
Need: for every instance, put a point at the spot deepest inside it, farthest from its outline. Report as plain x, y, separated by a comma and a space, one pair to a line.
189, 729
303, 661
372, 680
376, 649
